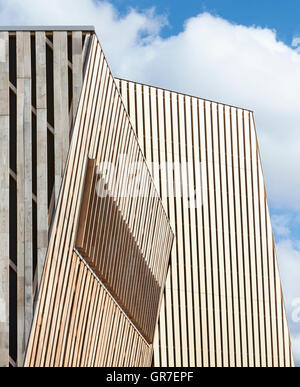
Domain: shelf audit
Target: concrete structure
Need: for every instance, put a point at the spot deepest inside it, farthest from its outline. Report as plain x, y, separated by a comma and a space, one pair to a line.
85, 238
41, 72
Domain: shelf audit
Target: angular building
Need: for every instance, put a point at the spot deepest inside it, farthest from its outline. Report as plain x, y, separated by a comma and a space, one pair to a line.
96, 174
223, 303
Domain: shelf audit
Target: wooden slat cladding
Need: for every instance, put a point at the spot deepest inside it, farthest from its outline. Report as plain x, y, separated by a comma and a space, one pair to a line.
27, 115
95, 331
223, 303
105, 241
102, 131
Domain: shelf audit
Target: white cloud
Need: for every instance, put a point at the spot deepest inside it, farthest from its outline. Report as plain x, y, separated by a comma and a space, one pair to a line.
239, 65
289, 264
125, 33
296, 351
211, 58
281, 225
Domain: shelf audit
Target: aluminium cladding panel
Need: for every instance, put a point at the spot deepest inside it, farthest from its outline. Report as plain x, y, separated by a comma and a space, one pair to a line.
223, 302
103, 132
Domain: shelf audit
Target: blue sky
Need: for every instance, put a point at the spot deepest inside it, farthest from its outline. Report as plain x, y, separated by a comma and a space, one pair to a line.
279, 15
234, 51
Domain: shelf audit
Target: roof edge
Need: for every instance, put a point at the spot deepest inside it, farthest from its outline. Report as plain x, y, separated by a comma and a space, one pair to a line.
186, 95
47, 28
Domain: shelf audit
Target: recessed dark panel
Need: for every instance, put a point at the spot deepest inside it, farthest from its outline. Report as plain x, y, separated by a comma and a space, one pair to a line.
12, 60
51, 165
13, 131
34, 239
50, 86
13, 220
33, 72
13, 327
34, 155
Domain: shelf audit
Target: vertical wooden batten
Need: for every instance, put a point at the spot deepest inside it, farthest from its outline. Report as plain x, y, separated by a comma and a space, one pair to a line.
24, 191
42, 168
77, 64
20, 196
28, 185
61, 108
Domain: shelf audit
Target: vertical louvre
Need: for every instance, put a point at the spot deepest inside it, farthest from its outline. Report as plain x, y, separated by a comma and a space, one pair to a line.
42, 150
24, 187
20, 197
77, 65
102, 239
27, 130
61, 105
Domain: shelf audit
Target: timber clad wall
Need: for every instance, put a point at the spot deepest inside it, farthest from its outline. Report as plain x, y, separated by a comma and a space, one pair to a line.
99, 332
223, 302
102, 132
133, 276
40, 84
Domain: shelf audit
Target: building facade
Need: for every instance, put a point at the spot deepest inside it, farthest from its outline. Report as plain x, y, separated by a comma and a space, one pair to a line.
69, 295
223, 303
85, 236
